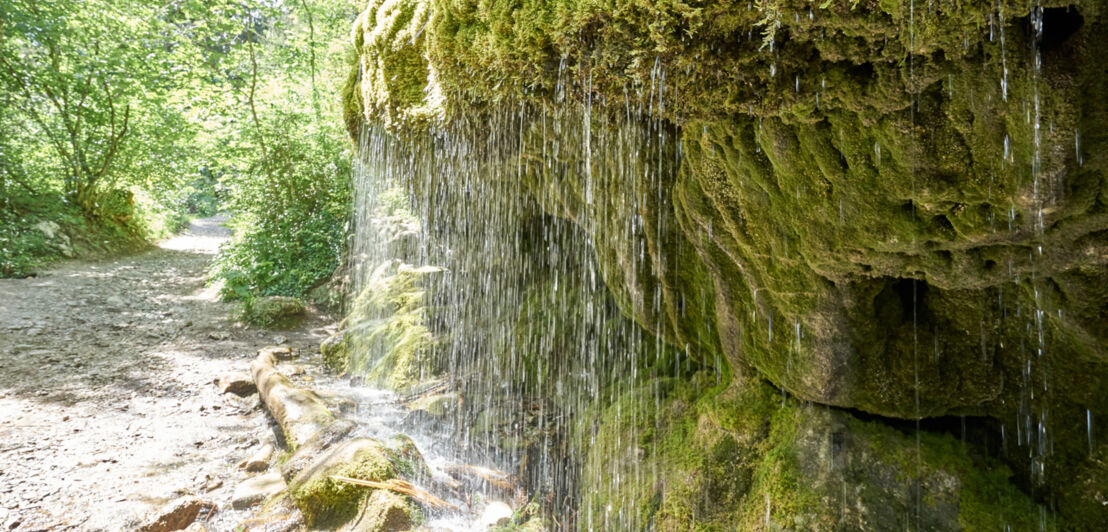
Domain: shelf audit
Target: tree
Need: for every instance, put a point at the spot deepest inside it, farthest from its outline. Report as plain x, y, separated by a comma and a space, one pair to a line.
78, 72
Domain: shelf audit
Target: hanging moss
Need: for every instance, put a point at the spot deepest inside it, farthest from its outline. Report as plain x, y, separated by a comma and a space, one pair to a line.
385, 337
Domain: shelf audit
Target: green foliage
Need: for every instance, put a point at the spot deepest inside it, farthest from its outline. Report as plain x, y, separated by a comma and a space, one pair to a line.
37, 229
291, 213
22, 246
98, 135
286, 159
143, 114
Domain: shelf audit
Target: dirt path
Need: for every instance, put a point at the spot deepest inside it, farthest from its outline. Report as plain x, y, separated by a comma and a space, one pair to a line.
107, 402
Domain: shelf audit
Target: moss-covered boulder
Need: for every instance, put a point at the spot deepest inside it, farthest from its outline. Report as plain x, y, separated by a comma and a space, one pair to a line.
326, 502
385, 336
275, 311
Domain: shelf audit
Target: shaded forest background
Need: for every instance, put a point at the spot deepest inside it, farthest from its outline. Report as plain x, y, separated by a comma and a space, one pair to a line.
121, 119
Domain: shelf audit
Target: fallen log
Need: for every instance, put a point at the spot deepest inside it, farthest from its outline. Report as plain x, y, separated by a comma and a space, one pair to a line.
300, 413
403, 487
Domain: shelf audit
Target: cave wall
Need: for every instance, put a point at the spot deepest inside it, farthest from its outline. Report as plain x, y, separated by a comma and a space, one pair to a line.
900, 211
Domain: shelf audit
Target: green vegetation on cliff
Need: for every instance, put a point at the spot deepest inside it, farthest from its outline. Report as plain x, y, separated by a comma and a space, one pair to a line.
667, 458
873, 205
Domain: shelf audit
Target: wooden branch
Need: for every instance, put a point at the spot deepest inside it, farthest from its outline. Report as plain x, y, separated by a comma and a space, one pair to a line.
33, 113
18, 181
114, 138
254, 84
400, 486
437, 387
311, 56
300, 413
496, 478
81, 103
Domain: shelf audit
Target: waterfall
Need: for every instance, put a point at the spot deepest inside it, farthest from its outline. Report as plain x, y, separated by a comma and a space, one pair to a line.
489, 223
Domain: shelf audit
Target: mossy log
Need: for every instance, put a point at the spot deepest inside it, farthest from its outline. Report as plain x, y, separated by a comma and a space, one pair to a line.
318, 442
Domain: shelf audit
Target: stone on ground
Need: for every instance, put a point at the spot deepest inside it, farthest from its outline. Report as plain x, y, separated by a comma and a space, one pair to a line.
239, 384
259, 461
179, 514
256, 490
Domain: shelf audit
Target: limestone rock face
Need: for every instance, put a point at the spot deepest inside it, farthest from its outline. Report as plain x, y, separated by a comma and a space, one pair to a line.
869, 206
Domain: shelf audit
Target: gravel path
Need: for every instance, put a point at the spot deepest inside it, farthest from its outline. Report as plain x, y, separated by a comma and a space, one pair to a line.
107, 404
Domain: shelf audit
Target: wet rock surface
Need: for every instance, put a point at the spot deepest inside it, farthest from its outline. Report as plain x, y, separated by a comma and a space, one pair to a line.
256, 490
839, 205
107, 408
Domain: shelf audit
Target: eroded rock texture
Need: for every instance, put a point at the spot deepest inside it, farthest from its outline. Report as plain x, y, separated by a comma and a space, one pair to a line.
893, 208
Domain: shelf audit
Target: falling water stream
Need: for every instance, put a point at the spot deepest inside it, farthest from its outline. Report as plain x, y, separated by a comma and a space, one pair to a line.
526, 332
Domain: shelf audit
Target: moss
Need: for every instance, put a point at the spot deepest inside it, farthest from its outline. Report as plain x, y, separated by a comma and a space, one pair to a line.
384, 337
756, 459
780, 495
407, 459
655, 462
471, 53
850, 212
397, 83
335, 351
353, 107
326, 502
984, 495
525, 518
275, 311
1082, 499
438, 405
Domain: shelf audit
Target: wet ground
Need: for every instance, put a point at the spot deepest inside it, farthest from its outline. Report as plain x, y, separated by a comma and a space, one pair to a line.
107, 403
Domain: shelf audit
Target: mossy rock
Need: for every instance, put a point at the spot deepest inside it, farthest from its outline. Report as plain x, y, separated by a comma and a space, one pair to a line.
385, 336
386, 511
407, 459
335, 350
752, 458
275, 311
835, 202
326, 502
438, 405
525, 518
